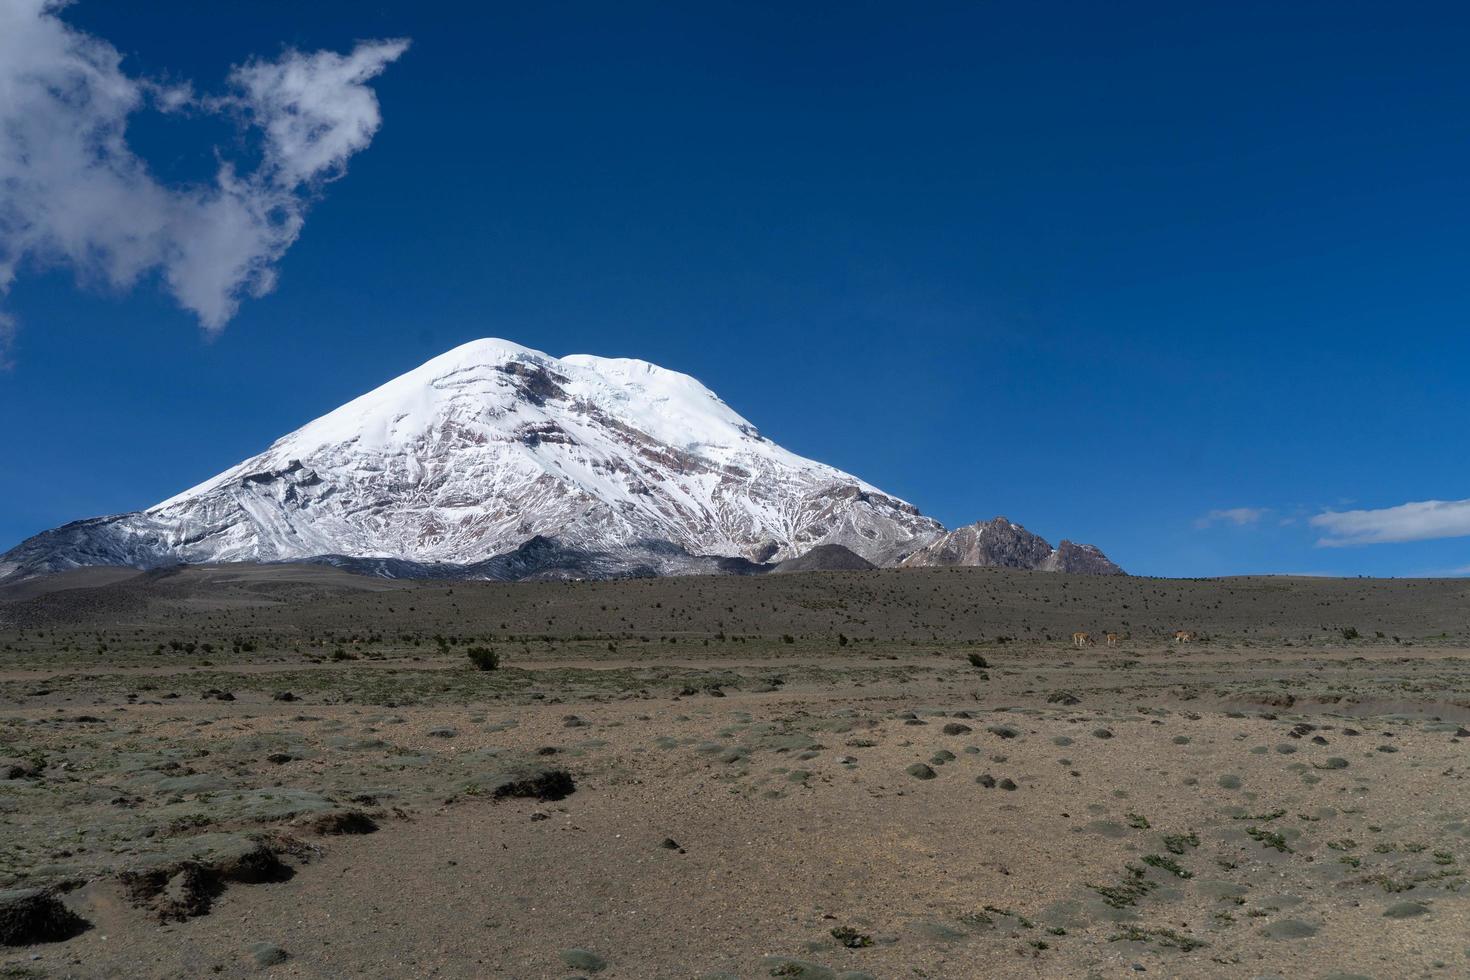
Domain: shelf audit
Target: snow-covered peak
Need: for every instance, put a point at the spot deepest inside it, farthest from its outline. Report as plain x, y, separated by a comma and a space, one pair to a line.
494, 454
480, 448
488, 379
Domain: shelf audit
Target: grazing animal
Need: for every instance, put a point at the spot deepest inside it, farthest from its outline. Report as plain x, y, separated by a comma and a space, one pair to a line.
1113, 639
1080, 640
1185, 636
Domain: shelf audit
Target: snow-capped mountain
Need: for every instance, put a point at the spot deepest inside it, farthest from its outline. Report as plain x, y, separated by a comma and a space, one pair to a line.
490, 445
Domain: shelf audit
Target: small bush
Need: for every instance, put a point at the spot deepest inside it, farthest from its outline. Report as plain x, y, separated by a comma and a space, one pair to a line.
483, 658
978, 661
851, 938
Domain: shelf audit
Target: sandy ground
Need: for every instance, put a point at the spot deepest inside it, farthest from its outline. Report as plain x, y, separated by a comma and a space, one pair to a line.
804, 809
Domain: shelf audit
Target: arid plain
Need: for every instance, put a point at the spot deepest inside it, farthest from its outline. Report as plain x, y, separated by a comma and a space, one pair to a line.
295, 772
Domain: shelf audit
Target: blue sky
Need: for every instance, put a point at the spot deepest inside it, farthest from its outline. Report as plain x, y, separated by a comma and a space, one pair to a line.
1104, 269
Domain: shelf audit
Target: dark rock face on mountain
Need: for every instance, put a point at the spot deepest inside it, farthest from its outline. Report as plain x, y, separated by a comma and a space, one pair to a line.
548, 559
1080, 559
1002, 544
825, 558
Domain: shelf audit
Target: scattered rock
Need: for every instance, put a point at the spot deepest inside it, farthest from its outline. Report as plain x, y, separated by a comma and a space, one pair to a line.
920, 771
1289, 929
583, 959
1405, 910
268, 954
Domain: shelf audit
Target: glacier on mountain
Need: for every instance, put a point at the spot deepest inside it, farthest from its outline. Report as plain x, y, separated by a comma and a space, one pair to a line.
490, 445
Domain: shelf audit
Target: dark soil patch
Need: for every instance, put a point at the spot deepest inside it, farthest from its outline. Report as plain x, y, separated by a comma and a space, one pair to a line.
537, 784
36, 915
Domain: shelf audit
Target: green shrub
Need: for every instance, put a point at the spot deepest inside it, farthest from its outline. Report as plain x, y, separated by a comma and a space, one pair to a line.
483, 658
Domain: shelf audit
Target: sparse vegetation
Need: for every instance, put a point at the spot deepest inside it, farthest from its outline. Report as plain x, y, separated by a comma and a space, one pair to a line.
483, 658
598, 667
1128, 891
1167, 864
1159, 937
1268, 839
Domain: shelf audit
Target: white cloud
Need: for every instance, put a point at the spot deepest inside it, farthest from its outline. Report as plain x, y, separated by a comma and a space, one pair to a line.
1239, 516
73, 193
1417, 521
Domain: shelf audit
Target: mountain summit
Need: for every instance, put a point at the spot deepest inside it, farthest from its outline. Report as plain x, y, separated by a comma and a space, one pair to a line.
497, 451
490, 445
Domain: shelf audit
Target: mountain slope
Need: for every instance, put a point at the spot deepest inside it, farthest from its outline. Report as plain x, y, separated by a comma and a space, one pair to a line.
1001, 544
488, 446
825, 558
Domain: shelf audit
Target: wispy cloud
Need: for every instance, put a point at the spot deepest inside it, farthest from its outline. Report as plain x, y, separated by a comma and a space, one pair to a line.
1239, 516
1419, 521
1460, 571
75, 195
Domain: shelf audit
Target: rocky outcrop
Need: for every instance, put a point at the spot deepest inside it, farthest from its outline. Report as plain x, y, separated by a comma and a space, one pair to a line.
999, 543
1080, 559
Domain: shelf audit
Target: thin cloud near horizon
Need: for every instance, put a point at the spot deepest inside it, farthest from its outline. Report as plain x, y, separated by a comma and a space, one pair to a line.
1238, 516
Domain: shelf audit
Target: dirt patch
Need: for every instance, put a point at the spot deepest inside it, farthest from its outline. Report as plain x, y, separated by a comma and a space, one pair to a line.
36, 915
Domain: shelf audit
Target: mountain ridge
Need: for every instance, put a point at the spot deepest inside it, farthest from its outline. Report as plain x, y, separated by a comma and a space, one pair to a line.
1001, 543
